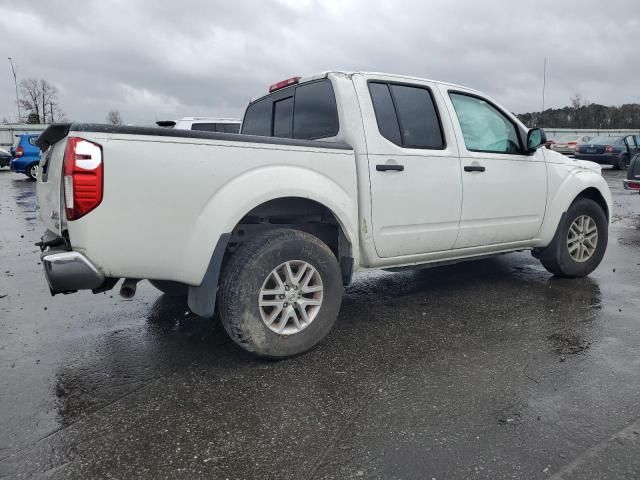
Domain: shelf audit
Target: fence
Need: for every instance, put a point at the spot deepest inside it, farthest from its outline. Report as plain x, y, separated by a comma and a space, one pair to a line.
9, 131
554, 133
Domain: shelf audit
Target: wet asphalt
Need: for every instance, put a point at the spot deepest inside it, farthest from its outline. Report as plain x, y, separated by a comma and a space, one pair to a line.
490, 369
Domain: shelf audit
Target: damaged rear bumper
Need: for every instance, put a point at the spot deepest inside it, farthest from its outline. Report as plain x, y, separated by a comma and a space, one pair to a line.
67, 271
70, 271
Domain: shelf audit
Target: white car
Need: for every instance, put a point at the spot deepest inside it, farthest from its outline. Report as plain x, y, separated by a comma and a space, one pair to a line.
203, 124
567, 144
331, 174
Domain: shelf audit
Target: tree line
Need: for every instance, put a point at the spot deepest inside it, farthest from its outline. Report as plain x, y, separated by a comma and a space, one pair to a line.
583, 114
39, 104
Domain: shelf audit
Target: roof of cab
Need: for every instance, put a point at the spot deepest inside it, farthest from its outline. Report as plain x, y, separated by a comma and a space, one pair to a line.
325, 74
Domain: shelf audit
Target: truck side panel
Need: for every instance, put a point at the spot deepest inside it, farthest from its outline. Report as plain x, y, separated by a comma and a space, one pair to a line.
167, 200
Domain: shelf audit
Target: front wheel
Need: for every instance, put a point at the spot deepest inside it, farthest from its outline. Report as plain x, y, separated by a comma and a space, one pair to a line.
580, 241
280, 293
32, 171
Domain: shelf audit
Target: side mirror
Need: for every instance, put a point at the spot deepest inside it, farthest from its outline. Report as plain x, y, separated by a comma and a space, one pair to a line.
536, 138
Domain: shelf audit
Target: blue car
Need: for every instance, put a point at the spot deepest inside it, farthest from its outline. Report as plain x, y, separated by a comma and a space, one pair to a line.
26, 155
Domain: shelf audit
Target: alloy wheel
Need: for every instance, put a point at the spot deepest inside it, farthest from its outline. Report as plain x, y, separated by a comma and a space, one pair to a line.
291, 297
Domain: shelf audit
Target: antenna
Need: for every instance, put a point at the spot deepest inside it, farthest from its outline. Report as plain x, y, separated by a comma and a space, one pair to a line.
544, 86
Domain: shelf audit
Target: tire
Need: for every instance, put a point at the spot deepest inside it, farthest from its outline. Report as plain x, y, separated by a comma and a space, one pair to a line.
32, 171
171, 289
250, 272
623, 163
557, 257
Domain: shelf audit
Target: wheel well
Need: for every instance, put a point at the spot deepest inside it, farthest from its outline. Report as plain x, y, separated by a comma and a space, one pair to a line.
300, 214
594, 194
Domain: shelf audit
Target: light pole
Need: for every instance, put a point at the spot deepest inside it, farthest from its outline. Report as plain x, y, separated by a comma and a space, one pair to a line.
15, 82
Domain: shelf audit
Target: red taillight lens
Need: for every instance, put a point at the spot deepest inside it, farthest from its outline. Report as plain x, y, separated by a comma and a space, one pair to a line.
19, 152
284, 83
83, 170
608, 149
634, 185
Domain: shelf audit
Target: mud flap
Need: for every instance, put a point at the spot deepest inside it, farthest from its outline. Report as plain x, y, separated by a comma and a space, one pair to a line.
202, 299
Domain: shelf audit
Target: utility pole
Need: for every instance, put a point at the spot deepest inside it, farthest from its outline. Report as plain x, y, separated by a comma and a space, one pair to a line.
544, 85
15, 82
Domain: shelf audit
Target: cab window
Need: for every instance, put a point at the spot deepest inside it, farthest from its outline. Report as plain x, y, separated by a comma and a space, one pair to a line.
484, 127
407, 115
306, 111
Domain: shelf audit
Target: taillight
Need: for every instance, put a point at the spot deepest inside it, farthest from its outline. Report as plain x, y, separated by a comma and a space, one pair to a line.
608, 149
19, 152
572, 145
634, 185
82, 177
284, 83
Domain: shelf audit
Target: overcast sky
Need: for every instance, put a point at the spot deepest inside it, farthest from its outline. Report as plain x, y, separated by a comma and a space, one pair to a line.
155, 59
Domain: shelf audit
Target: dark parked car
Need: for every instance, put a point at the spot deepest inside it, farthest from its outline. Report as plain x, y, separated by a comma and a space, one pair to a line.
632, 182
5, 157
616, 151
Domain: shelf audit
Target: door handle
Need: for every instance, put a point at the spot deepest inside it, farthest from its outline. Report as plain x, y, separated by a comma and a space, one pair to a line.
390, 166
474, 168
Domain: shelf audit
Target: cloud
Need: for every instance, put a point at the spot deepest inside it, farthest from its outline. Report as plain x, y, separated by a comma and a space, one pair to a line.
165, 59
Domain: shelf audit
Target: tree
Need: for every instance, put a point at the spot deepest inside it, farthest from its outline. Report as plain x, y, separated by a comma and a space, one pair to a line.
40, 100
579, 111
114, 118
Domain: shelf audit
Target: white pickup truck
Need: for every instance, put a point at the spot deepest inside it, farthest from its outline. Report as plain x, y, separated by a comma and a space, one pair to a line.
331, 174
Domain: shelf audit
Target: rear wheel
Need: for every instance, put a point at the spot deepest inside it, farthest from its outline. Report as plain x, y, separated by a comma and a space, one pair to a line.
280, 293
32, 171
580, 241
171, 289
623, 163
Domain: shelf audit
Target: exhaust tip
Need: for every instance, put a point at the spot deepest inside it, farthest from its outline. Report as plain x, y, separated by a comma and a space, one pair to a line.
128, 288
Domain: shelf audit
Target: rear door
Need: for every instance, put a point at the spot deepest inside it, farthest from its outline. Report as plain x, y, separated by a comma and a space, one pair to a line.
505, 190
630, 142
414, 169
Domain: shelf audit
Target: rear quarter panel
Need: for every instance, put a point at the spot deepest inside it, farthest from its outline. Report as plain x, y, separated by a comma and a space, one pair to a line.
167, 200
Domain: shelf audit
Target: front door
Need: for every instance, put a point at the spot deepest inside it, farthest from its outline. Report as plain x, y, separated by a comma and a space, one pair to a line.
416, 189
505, 189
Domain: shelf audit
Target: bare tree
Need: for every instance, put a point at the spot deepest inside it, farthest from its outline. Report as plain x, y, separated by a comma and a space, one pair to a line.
40, 100
114, 118
577, 104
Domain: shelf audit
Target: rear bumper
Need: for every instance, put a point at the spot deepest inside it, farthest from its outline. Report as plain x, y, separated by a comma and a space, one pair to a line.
564, 151
70, 271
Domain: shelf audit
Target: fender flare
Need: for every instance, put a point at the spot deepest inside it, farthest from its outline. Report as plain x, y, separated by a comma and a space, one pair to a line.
234, 195
570, 189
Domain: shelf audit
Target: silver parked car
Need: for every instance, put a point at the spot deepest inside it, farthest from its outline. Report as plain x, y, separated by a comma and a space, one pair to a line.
567, 144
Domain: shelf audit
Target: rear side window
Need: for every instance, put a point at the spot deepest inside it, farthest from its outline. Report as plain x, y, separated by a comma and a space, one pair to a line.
32, 141
385, 112
407, 115
310, 113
